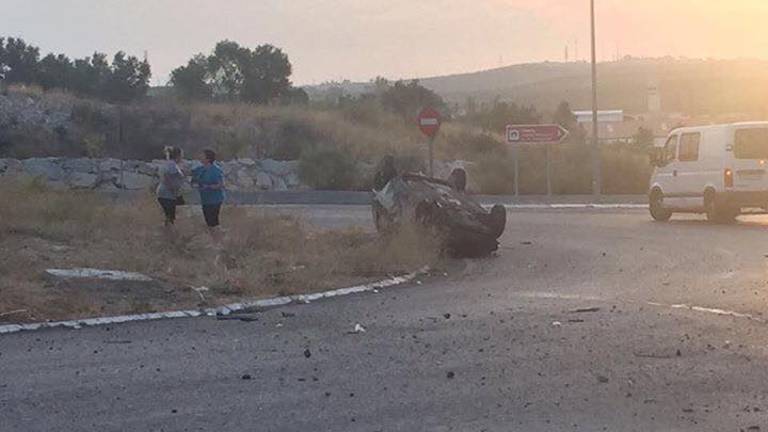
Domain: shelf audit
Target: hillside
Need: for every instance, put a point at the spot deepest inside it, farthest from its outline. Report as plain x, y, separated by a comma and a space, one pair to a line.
694, 87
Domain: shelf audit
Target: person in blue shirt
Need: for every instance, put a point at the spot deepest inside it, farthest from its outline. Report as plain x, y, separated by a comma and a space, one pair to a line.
209, 181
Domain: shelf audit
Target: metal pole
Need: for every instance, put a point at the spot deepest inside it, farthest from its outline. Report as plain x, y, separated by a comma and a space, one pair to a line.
549, 170
516, 152
596, 154
431, 156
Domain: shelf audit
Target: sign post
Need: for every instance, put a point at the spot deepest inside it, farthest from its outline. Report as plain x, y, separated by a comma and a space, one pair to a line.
429, 121
546, 135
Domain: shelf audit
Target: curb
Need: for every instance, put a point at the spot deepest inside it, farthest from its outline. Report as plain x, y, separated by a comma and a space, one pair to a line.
577, 206
218, 311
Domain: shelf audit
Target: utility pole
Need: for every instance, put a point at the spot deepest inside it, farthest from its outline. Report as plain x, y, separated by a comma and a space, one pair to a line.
596, 154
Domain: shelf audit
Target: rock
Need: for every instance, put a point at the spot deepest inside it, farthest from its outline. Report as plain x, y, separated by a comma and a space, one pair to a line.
244, 179
135, 181
82, 165
110, 165
10, 167
450, 375
276, 167
263, 181
80, 180
278, 184
46, 168
246, 377
307, 353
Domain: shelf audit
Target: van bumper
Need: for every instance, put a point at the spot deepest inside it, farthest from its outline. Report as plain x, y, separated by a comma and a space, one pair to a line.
744, 198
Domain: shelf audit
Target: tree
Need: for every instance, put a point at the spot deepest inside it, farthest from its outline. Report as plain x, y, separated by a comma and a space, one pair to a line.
191, 81
128, 79
90, 75
406, 98
19, 61
564, 116
55, 71
233, 72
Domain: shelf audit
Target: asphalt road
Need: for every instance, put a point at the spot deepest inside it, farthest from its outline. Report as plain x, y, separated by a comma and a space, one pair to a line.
569, 328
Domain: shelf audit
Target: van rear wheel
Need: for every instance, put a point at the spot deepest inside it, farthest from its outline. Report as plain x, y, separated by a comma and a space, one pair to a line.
655, 205
717, 211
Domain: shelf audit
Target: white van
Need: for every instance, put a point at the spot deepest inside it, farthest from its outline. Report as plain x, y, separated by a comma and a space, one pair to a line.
717, 170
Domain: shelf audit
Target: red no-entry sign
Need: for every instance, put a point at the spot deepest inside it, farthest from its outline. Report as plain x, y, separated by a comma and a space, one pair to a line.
429, 121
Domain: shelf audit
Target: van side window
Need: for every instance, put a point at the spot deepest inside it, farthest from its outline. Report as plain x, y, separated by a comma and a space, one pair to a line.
689, 147
670, 149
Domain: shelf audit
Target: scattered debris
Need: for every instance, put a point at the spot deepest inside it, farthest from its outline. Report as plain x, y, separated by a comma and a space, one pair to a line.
91, 273
602, 379
358, 329
450, 375
246, 377
243, 318
586, 310
307, 353
526, 243
447, 316
287, 314
556, 324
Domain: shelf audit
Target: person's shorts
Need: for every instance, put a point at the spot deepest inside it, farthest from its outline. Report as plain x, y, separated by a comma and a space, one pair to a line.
211, 214
169, 208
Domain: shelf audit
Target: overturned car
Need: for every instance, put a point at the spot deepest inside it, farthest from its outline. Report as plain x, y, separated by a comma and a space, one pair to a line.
467, 229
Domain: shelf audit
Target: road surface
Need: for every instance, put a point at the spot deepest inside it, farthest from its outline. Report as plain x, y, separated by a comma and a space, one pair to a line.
577, 325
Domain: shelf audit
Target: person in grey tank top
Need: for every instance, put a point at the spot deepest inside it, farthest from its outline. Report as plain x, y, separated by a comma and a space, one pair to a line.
171, 181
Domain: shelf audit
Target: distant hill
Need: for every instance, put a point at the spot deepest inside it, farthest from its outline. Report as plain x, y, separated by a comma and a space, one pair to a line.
694, 87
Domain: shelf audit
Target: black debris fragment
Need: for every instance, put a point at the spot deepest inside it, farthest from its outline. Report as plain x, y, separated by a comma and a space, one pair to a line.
246, 377
450, 375
307, 353
586, 310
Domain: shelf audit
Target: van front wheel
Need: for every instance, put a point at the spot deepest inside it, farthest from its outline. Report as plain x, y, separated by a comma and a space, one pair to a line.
655, 205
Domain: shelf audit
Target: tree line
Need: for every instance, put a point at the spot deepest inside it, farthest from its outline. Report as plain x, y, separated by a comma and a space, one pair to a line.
124, 79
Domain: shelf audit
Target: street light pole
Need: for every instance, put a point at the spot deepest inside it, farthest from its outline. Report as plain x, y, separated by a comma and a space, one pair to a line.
596, 154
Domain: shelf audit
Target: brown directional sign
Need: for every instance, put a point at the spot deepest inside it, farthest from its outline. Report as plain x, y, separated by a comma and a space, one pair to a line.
536, 134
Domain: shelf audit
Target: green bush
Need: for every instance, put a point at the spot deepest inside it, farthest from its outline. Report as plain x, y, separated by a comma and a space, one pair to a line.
328, 169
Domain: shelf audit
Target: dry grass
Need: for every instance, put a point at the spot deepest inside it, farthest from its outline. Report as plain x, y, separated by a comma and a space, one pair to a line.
262, 255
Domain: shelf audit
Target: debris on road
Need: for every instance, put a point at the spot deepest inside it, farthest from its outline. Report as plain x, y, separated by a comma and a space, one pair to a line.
556, 324
586, 310
246, 377
450, 375
307, 353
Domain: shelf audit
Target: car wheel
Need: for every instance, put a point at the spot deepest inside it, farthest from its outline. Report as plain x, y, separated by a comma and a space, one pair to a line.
717, 211
655, 205
498, 220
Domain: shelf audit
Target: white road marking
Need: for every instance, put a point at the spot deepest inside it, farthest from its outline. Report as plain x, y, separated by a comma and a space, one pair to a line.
715, 311
223, 310
115, 275
576, 206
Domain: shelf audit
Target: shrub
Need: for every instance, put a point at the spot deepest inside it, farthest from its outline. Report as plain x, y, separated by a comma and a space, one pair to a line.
328, 169
493, 175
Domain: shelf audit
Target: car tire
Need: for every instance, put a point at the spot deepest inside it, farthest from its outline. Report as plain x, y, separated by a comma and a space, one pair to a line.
497, 220
717, 211
655, 205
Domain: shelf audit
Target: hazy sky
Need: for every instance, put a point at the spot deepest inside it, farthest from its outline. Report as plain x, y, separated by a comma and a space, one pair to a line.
360, 39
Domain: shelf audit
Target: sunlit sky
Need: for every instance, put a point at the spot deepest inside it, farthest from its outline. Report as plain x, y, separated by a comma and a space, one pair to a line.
361, 39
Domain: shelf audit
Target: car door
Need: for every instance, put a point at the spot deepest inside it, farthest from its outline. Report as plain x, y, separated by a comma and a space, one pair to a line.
688, 174
664, 178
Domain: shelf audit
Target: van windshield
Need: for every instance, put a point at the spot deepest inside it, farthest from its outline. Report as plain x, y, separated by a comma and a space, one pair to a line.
751, 143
